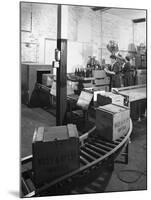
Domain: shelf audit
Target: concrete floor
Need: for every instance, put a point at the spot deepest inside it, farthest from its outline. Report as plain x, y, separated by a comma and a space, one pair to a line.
137, 162
32, 118
35, 117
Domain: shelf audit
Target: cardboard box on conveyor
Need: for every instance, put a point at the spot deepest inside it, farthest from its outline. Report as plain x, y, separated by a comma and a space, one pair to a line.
112, 121
55, 152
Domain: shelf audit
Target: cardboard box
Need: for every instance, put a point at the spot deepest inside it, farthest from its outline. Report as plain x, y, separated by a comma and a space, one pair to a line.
55, 152
47, 79
112, 121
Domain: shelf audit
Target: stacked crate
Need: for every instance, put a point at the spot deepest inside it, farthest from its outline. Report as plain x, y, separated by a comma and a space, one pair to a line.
101, 79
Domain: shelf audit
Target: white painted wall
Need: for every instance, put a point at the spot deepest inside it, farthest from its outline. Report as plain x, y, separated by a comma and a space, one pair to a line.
140, 33
88, 33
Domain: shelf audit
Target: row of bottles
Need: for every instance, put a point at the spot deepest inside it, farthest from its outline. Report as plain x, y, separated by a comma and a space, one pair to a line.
83, 72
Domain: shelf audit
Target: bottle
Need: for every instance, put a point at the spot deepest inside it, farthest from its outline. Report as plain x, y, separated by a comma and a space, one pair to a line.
75, 72
78, 72
84, 72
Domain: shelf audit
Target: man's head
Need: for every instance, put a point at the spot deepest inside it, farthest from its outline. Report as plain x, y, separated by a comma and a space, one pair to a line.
113, 58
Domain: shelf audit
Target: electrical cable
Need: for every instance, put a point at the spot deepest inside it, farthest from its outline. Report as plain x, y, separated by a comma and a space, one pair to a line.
138, 173
126, 179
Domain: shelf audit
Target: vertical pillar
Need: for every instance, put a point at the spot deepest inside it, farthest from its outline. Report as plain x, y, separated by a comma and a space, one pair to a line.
61, 72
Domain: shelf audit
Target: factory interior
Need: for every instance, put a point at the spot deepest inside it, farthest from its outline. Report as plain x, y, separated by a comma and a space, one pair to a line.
83, 99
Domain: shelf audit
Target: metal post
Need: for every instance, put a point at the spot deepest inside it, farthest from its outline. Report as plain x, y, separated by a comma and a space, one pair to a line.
61, 74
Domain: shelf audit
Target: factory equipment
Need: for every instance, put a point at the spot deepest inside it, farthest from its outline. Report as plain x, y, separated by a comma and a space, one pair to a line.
112, 47
95, 152
140, 57
93, 63
141, 76
139, 64
30, 75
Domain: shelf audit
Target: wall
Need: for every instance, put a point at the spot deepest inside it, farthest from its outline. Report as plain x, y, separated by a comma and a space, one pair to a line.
88, 34
38, 32
139, 33
118, 29
84, 36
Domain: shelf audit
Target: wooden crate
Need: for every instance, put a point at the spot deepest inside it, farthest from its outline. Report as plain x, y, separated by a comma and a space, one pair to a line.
108, 98
55, 152
100, 81
99, 74
103, 100
112, 121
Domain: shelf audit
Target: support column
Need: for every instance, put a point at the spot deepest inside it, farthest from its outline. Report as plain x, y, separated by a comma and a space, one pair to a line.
61, 71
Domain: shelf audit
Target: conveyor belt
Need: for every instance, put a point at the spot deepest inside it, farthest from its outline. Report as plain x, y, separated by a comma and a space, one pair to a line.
93, 152
135, 93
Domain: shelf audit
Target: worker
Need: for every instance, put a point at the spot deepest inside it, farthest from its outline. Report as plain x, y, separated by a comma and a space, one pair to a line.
114, 72
121, 61
126, 72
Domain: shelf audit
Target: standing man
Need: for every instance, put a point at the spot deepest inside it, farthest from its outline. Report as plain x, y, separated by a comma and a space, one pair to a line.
127, 72
114, 72
121, 61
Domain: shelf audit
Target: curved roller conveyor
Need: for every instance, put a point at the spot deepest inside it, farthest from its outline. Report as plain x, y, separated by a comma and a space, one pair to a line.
93, 151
